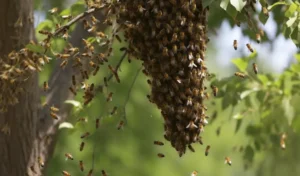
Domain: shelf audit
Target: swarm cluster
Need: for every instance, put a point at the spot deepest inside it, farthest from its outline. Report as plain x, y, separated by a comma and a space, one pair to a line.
170, 38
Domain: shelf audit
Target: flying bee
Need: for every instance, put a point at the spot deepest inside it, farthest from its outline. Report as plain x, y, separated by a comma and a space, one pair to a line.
282, 141
207, 150
96, 70
103, 173
121, 124
109, 98
66, 17
81, 146
84, 135
105, 81
46, 87
53, 115
160, 155
53, 10
73, 80
73, 91
255, 69
158, 143
81, 165
235, 44
227, 161
239, 74
118, 38
97, 123
63, 63
69, 156
215, 90
90, 172
114, 110
41, 162
249, 47
65, 173
258, 38
200, 140
191, 148
194, 173
54, 109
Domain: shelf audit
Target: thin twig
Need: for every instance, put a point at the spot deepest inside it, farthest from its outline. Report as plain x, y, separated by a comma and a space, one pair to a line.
129, 92
111, 74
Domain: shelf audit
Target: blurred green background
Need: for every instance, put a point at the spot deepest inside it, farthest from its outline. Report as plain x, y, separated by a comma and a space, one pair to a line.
247, 117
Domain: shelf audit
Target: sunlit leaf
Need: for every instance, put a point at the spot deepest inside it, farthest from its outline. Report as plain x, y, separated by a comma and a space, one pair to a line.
291, 10
76, 104
238, 4
224, 4
246, 93
240, 63
288, 109
77, 8
45, 25
291, 21
65, 125
237, 116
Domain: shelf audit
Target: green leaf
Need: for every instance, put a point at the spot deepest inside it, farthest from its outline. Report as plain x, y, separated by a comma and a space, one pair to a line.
75, 103
263, 78
45, 25
291, 10
263, 18
276, 4
65, 125
232, 11
291, 21
65, 12
289, 111
240, 63
295, 36
238, 4
206, 2
77, 8
224, 4
265, 113
297, 56
249, 153
296, 124
246, 93
35, 48
238, 125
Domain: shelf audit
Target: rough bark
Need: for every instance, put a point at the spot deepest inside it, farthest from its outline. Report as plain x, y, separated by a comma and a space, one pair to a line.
16, 29
33, 131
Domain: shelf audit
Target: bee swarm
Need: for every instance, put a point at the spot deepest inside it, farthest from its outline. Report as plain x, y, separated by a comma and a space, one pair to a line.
170, 38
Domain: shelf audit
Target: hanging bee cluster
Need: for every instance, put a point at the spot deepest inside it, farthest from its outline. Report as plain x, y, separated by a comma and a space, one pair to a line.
15, 69
170, 38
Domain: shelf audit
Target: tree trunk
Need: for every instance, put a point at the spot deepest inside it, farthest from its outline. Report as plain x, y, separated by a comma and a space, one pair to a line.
16, 29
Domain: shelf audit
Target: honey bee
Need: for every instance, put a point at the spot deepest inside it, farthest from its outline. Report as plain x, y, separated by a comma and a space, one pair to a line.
258, 38
90, 172
73, 80
96, 70
84, 135
105, 81
114, 72
63, 63
158, 143
69, 156
86, 74
53, 115
41, 162
81, 165
191, 125
54, 109
81, 146
191, 148
235, 44
103, 173
255, 69
114, 110
97, 123
249, 47
160, 155
200, 140
46, 87
73, 50
45, 32
53, 10
261, 32
94, 20
66, 17
215, 90
65, 173
118, 38
73, 91
282, 141
194, 173
109, 98
207, 150
63, 56
121, 124
92, 87
227, 161
239, 74
265, 11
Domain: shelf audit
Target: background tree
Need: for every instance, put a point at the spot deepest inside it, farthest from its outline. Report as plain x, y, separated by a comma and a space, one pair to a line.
252, 101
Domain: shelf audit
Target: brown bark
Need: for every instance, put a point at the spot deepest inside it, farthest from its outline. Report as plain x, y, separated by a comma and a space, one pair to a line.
16, 29
33, 131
